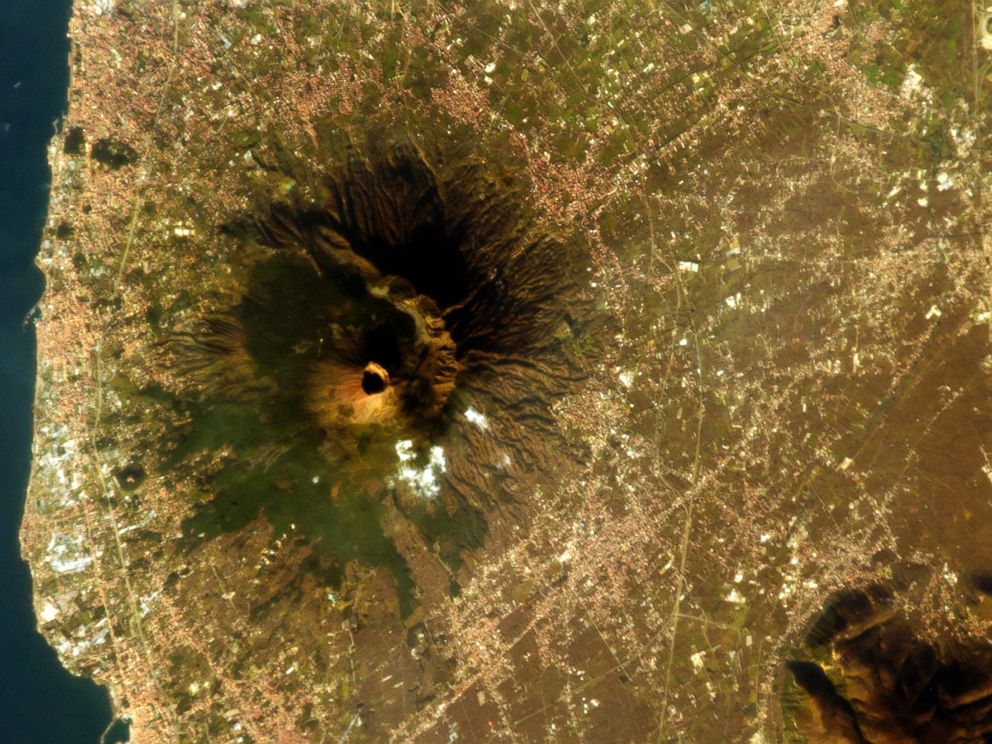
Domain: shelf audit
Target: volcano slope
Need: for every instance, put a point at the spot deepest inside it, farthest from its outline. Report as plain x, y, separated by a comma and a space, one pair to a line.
584, 371
374, 327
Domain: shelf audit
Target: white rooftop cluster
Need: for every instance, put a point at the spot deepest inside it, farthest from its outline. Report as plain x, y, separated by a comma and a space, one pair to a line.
66, 554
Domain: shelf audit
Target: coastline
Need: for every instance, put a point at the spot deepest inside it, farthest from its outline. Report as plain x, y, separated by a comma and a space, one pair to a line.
34, 84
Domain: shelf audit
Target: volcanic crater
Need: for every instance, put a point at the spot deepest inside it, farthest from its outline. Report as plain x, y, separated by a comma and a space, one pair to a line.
397, 348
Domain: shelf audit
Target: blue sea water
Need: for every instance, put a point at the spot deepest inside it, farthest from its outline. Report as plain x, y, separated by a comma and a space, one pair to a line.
39, 700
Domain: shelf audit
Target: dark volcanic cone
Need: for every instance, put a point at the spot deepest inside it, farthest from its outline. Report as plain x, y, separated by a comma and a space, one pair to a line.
405, 335
877, 680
